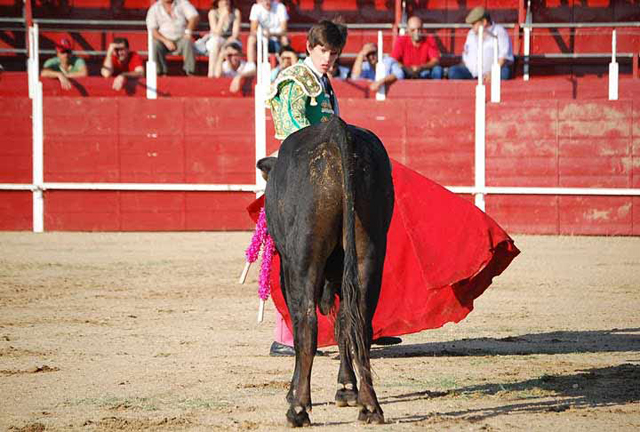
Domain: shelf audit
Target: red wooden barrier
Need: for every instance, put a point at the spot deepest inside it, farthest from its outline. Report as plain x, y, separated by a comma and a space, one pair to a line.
551, 141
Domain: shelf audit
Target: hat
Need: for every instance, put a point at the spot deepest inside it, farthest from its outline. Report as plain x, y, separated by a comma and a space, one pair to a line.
63, 45
476, 14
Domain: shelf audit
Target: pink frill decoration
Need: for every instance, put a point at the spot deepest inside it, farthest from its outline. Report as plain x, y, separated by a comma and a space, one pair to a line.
262, 240
264, 280
259, 236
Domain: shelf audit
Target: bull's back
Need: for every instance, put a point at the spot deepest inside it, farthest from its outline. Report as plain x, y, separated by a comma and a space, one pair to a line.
309, 174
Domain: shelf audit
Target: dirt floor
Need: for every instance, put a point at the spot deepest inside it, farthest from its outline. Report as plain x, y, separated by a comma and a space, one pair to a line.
151, 331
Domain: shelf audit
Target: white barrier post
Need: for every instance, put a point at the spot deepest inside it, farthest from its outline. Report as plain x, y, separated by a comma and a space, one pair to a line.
30, 62
260, 91
38, 135
259, 37
527, 42
613, 70
480, 128
266, 66
495, 74
381, 94
152, 71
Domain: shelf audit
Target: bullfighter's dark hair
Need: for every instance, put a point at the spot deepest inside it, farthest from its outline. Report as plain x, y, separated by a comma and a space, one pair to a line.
330, 34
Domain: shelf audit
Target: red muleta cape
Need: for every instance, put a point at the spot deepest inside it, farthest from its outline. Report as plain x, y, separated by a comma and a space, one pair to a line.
442, 253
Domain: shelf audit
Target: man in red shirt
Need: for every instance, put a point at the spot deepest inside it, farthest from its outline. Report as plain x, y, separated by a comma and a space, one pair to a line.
417, 53
121, 63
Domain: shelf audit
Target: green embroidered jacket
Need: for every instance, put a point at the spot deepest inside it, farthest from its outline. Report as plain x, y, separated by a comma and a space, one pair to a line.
297, 100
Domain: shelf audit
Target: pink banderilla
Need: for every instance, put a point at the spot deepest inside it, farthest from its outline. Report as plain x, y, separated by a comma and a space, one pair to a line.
261, 240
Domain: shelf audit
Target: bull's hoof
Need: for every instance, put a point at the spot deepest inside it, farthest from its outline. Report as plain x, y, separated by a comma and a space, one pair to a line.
299, 419
371, 417
346, 397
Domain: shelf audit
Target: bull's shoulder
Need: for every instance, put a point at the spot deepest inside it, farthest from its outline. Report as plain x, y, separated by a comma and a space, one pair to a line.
301, 77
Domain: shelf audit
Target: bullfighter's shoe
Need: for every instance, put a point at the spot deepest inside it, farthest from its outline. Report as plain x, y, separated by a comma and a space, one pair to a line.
281, 350
387, 340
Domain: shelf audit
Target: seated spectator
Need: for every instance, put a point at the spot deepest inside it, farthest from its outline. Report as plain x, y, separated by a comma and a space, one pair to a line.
231, 65
287, 56
172, 23
272, 16
417, 53
121, 63
364, 67
468, 69
64, 65
224, 25
338, 71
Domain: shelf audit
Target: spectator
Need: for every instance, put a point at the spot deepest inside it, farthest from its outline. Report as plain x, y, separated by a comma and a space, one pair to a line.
273, 17
64, 65
121, 63
468, 69
338, 71
231, 65
417, 53
224, 25
172, 23
287, 56
364, 67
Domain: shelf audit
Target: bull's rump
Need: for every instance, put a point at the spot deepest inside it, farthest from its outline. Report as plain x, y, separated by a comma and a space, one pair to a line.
306, 185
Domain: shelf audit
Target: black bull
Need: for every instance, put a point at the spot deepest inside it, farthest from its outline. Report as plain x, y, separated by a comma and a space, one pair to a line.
329, 201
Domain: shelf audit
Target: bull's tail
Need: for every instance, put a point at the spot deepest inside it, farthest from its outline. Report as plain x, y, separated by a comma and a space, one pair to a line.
355, 325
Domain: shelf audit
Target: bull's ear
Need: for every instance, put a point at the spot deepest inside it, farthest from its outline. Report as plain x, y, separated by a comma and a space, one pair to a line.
266, 165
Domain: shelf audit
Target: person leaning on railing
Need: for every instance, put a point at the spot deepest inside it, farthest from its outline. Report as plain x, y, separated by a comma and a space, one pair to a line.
64, 65
121, 63
230, 64
364, 67
468, 69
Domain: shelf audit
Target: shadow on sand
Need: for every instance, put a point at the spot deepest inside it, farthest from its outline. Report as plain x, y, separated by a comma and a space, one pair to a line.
607, 386
560, 342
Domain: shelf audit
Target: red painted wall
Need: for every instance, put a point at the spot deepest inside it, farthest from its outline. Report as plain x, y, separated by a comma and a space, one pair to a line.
541, 142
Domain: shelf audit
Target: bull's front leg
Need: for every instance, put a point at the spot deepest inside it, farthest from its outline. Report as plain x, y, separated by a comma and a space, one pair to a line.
305, 334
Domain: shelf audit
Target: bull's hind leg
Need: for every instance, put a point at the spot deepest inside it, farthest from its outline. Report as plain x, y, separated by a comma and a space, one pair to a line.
300, 300
371, 273
347, 392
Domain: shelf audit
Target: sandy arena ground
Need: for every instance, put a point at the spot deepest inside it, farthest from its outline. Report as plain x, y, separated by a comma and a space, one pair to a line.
151, 331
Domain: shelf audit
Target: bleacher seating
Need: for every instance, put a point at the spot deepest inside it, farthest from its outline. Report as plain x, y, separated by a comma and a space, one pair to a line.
554, 51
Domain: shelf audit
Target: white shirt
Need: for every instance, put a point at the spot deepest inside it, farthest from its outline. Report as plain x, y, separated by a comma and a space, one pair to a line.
318, 75
272, 19
170, 26
470, 53
229, 72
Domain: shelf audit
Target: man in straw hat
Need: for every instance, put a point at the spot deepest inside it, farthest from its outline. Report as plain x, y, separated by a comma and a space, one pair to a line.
468, 69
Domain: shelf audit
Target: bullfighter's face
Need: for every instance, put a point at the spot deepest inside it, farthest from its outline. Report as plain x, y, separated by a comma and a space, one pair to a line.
323, 57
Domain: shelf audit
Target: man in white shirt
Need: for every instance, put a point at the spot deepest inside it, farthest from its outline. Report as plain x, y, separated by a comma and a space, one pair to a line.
172, 23
272, 16
469, 69
231, 65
